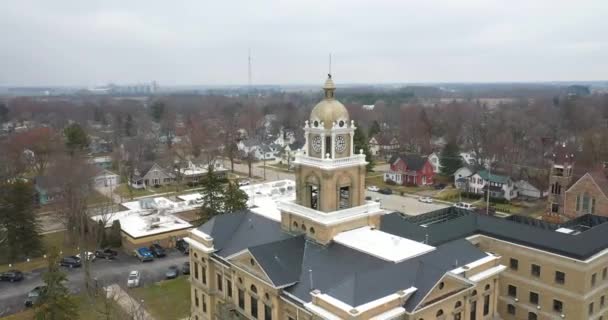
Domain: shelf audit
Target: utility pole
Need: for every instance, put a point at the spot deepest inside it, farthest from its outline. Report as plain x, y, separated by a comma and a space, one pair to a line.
488, 184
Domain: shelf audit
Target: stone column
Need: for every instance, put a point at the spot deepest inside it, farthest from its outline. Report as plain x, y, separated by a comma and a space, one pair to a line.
323, 145
495, 298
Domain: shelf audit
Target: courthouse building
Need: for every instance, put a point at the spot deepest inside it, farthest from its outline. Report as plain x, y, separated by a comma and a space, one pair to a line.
334, 255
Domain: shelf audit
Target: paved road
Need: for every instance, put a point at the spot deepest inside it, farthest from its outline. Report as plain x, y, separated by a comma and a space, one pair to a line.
257, 170
12, 295
405, 204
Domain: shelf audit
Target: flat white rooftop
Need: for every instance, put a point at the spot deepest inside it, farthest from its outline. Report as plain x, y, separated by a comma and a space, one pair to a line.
381, 244
263, 197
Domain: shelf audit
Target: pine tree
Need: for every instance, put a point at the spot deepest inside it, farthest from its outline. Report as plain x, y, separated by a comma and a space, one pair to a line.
55, 303
18, 219
450, 159
115, 238
212, 192
76, 138
360, 141
235, 199
374, 129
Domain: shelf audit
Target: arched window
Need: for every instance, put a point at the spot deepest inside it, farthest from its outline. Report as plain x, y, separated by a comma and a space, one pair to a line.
586, 203
295, 224
487, 287
303, 227
532, 316
439, 313
457, 305
474, 293
312, 230
253, 289
441, 285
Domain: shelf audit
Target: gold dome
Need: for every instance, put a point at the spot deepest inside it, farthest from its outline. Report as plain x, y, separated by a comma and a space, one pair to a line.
329, 110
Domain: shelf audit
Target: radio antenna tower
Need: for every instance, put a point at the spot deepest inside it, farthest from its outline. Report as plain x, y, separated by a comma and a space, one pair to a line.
249, 73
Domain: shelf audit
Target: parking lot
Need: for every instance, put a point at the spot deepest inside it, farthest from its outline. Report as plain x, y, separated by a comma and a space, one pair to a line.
405, 204
12, 295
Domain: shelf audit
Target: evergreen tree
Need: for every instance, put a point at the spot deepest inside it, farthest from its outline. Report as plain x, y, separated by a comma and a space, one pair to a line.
361, 142
129, 126
18, 219
212, 192
55, 303
157, 110
374, 129
450, 158
76, 138
235, 199
114, 238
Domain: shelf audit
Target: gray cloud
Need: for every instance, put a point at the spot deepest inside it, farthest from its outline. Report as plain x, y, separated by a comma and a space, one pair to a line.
75, 42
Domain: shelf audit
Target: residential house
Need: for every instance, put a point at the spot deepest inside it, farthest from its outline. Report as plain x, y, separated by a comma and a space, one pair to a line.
103, 162
193, 173
99, 145
259, 150
106, 178
46, 191
531, 188
461, 177
150, 175
285, 137
500, 186
468, 158
288, 153
383, 144
435, 162
410, 169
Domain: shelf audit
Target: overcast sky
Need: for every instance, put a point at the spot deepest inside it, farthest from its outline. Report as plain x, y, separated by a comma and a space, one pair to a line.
57, 42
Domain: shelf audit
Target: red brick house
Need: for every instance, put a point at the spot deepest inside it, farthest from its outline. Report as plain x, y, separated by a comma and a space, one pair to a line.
410, 169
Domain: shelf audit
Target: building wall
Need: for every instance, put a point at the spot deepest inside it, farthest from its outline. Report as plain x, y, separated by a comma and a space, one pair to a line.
166, 240
584, 185
576, 293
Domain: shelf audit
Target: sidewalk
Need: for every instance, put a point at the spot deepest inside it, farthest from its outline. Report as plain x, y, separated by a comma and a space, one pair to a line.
131, 306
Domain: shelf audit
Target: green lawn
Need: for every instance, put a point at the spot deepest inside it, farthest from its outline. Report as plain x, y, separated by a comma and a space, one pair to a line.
87, 309
124, 191
49, 240
168, 299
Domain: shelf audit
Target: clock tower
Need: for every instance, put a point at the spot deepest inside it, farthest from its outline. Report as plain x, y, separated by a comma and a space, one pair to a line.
330, 175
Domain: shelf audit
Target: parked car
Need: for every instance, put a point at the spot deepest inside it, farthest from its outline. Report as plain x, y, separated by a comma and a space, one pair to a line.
439, 186
182, 246
425, 199
144, 254
186, 267
244, 183
34, 296
106, 253
90, 256
157, 250
373, 188
172, 273
11, 276
70, 262
464, 205
386, 191
134, 279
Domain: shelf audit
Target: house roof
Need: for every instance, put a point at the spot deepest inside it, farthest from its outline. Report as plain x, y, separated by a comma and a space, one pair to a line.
599, 176
413, 161
384, 138
484, 174
451, 223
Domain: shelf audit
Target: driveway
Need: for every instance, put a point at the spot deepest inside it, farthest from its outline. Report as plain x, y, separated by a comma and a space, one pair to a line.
107, 272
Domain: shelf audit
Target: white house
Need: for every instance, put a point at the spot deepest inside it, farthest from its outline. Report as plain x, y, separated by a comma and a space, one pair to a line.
153, 175
500, 186
383, 144
468, 158
461, 175
260, 151
527, 189
106, 178
285, 138
434, 160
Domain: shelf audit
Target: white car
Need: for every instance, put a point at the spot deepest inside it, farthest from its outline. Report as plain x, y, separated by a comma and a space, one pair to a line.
244, 183
90, 256
134, 278
464, 205
373, 188
425, 199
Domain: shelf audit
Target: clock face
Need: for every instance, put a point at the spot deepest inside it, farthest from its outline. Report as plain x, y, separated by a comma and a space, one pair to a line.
316, 144
340, 143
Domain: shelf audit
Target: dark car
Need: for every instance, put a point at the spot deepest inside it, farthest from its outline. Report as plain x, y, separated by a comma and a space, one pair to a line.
172, 273
107, 254
186, 268
11, 276
182, 246
386, 191
440, 186
34, 296
144, 254
70, 262
157, 250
